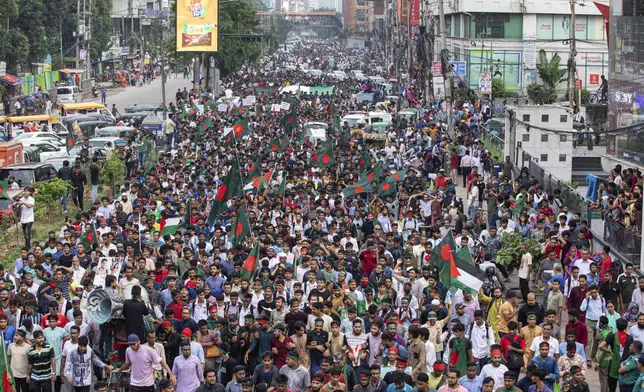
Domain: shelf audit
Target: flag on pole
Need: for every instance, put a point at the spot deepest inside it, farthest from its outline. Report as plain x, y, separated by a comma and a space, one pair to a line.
455, 268
240, 128
187, 214
169, 226
282, 189
70, 141
5, 369
260, 182
240, 227
88, 239
400, 175
361, 187
229, 189
251, 264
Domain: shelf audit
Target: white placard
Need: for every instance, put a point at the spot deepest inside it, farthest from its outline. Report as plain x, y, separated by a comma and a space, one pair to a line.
275, 107
107, 266
285, 106
223, 107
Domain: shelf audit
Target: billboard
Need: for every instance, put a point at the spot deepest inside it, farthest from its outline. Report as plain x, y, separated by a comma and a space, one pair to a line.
197, 26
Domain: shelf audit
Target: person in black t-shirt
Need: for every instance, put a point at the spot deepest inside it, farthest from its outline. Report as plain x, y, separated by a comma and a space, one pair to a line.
316, 343
610, 290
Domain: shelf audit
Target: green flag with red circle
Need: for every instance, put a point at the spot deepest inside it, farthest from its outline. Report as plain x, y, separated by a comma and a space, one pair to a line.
324, 157
240, 227
240, 128
230, 189
360, 187
399, 175
386, 188
70, 141
251, 264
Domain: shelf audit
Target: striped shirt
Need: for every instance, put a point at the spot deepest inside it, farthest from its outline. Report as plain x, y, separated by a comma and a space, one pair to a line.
40, 359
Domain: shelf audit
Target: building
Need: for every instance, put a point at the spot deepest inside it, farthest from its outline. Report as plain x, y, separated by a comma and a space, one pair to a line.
551, 150
626, 81
508, 36
133, 16
357, 16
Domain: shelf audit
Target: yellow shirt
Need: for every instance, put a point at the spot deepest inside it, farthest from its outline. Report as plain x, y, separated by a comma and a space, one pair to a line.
528, 334
494, 314
506, 308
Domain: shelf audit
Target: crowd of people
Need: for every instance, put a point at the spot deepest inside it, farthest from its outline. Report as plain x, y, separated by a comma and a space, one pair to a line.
252, 256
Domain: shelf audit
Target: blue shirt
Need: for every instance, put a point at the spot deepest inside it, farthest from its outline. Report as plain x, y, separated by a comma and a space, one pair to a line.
594, 308
551, 368
580, 350
392, 388
8, 335
474, 385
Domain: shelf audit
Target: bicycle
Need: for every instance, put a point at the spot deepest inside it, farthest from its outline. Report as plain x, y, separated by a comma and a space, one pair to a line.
598, 98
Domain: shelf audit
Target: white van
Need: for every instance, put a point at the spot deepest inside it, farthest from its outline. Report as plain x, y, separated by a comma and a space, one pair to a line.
68, 94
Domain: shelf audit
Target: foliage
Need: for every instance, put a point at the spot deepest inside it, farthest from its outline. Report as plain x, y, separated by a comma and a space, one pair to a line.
551, 75
585, 96
491, 147
113, 171
499, 90
101, 28
48, 197
510, 253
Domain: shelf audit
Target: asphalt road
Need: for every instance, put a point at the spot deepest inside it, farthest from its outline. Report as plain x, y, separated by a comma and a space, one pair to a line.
148, 94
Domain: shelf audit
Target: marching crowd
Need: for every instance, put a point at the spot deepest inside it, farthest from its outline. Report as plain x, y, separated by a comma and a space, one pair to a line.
255, 257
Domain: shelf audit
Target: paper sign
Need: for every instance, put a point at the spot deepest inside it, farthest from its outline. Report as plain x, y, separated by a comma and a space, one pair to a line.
275, 107
223, 107
285, 106
246, 102
436, 68
252, 99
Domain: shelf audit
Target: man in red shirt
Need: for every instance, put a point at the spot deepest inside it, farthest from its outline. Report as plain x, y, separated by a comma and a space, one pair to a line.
368, 259
580, 328
176, 305
441, 180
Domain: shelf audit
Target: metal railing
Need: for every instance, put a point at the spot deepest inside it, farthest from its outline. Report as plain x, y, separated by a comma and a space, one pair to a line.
622, 239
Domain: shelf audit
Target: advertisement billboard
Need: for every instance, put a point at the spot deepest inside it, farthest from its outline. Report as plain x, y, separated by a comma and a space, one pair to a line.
197, 26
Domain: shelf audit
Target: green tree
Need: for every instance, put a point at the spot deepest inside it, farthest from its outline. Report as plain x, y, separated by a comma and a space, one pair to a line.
551, 74
101, 28
32, 14
48, 197
113, 171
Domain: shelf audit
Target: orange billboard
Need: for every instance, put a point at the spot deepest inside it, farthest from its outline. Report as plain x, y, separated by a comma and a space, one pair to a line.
197, 25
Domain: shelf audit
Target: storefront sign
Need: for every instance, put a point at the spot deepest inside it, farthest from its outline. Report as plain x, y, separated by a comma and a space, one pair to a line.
436, 68
594, 79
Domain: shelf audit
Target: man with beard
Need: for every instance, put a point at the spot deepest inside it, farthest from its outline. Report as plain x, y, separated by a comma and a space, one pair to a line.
399, 385
171, 341
356, 341
317, 382
577, 295
228, 364
638, 294
532, 306
453, 384
637, 331
548, 363
494, 369
211, 384
364, 385
316, 343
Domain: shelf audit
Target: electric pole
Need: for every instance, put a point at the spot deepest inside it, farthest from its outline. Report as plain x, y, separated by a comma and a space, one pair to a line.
572, 62
163, 56
78, 31
448, 86
88, 37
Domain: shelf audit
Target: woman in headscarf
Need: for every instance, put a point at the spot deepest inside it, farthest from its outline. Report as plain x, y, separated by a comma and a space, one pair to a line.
632, 314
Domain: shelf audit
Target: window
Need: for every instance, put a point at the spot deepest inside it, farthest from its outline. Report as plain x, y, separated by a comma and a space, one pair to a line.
545, 118
563, 138
526, 117
526, 137
544, 137
562, 157
563, 118
488, 25
544, 157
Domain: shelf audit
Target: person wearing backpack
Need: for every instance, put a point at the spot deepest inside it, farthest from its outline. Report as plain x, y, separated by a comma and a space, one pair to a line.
480, 333
513, 347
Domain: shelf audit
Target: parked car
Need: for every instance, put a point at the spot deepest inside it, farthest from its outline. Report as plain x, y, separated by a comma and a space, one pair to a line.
142, 108
116, 132
27, 174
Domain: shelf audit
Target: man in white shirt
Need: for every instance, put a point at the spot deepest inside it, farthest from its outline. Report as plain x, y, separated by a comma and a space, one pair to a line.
584, 263
495, 369
481, 335
546, 337
26, 204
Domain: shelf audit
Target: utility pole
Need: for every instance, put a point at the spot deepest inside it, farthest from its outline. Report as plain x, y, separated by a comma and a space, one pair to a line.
88, 37
572, 62
163, 56
130, 12
448, 85
78, 30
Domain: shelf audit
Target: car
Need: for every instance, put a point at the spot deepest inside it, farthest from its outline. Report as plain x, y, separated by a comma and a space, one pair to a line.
48, 150
106, 143
136, 117
41, 141
339, 75
317, 131
27, 174
315, 72
37, 136
116, 131
142, 108
354, 119
69, 121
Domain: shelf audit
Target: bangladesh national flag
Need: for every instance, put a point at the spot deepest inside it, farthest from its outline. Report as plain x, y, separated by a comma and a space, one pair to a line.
253, 170
386, 188
289, 122
400, 175
516, 206
5, 369
371, 176
365, 161
240, 128
228, 139
361, 187
4, 186
276, 145
282, 189
229, 189
169, 226
240, 228
88, 239
324, 157
70, 141
251, 264
456, 266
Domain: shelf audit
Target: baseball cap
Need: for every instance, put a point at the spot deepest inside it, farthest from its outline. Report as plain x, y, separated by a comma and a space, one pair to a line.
132, 338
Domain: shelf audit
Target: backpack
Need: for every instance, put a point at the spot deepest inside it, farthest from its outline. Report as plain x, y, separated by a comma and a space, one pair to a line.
487, 330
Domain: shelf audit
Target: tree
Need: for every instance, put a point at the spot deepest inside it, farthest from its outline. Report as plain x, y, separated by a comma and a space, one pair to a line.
101, 28
551, 75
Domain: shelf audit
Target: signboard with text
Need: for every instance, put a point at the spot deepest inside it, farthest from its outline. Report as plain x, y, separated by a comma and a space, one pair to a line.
436, 68
197, 26
459, 68
594, 79
485, 83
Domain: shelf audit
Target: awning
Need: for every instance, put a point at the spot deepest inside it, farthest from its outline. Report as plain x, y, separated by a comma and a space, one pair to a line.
11, 80
72, 70
605, 11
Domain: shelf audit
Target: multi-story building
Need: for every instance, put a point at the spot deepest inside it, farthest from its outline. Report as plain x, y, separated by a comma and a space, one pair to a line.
357, 15
507, 36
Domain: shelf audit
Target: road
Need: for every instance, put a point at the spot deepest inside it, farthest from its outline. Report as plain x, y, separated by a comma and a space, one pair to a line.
149, 94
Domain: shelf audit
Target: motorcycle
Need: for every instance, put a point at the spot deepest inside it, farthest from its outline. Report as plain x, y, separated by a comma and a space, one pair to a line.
94, 91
